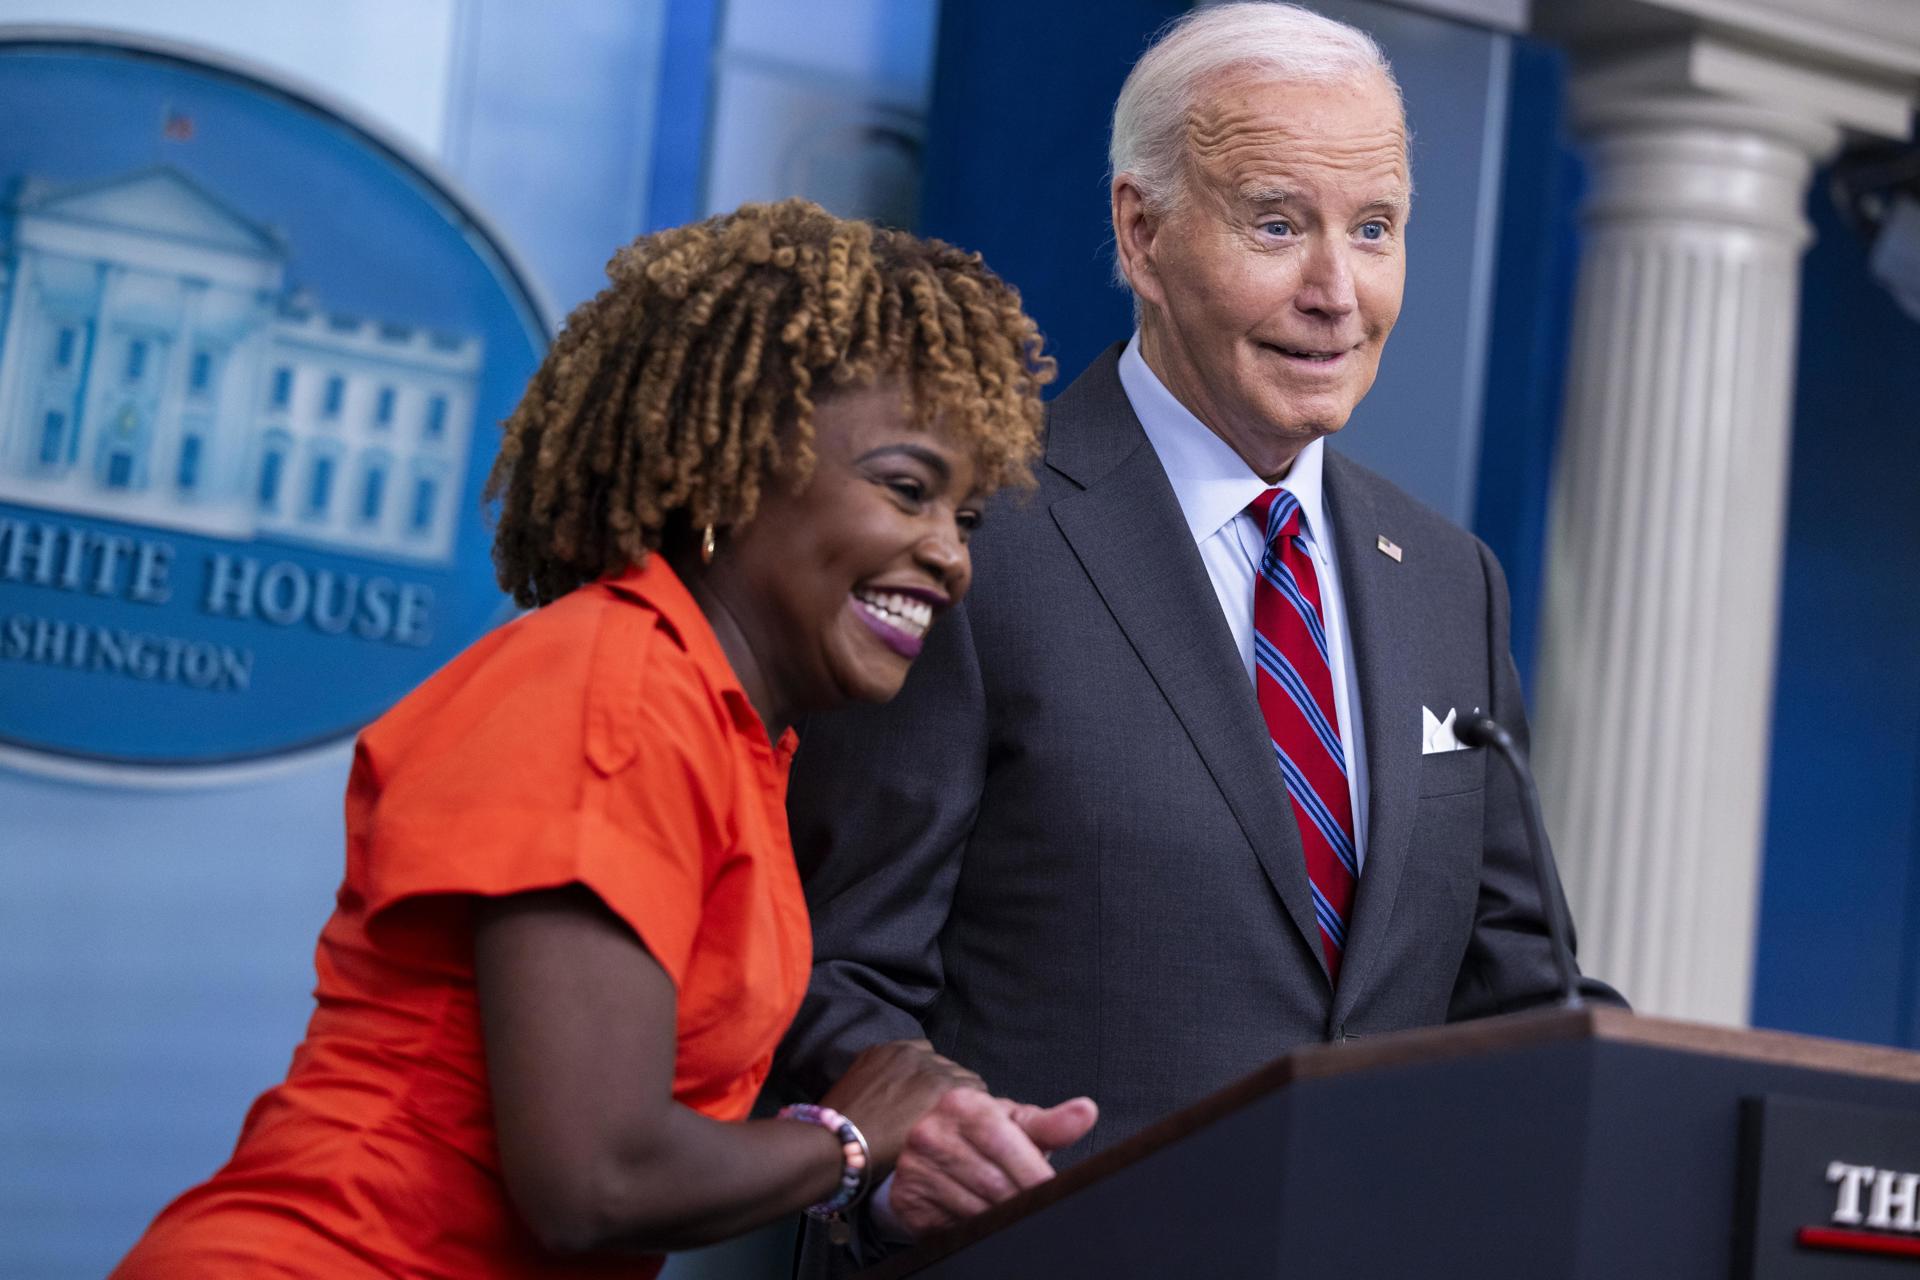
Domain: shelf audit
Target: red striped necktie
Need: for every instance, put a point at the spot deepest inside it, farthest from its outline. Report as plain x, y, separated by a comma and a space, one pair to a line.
1295, 684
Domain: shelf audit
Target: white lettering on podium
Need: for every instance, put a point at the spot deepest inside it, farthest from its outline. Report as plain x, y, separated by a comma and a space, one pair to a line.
1892, 1197
1851, 1178
1893, 1200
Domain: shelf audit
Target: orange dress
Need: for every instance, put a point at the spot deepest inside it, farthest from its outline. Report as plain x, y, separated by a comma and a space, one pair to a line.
601, 741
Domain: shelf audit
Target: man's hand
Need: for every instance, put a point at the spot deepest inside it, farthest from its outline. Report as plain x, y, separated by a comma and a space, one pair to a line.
973, 1150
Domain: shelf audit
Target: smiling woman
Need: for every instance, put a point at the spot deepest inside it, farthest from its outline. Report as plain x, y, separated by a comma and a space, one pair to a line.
837, 583
571, 931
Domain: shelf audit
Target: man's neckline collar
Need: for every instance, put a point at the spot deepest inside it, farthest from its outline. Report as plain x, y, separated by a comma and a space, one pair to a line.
1212, 483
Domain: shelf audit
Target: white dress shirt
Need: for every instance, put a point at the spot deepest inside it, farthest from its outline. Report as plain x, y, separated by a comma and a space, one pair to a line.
1214, 486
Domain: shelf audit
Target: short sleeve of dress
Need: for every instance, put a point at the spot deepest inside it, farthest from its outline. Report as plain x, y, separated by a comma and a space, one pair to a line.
576, 748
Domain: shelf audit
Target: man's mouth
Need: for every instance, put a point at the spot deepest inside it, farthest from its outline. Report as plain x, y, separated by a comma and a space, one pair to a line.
899, 619
1311, 354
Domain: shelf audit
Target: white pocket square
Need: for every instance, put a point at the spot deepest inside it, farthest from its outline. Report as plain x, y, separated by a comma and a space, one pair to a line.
1437, 734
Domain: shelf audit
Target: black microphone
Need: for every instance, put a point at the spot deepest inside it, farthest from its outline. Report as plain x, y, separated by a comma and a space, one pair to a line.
1485, 731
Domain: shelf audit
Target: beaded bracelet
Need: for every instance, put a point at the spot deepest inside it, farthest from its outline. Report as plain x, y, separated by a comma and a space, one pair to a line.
856, 1161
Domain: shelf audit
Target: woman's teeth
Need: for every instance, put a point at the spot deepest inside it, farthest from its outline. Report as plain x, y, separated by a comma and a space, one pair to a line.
896, 610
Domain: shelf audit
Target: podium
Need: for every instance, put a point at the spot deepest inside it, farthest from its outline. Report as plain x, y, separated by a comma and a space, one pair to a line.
1586, 1143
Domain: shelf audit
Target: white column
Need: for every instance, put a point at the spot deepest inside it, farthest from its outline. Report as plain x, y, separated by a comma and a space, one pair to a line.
1664, 548
1668, 509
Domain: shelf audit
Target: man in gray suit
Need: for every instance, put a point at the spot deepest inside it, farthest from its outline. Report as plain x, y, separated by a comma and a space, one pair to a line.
1084, 852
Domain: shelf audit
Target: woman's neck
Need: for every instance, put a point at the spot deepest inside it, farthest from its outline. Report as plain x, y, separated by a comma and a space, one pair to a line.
730, 627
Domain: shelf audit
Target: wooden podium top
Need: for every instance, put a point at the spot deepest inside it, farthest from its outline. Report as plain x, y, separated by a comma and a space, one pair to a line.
1430, 1044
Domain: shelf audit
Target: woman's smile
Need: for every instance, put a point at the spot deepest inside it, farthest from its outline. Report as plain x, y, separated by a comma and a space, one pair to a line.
899, 618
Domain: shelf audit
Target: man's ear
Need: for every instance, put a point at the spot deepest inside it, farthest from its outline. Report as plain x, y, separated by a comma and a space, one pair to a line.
1136, 231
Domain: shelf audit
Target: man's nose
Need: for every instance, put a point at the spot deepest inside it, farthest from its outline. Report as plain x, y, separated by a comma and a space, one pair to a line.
1326, 283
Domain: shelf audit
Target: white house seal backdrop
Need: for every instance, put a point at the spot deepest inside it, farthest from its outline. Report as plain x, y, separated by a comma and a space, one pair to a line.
252, 367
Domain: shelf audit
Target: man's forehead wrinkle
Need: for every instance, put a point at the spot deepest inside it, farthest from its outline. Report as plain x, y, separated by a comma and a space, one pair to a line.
1253, 165
1253, 175
1229, 140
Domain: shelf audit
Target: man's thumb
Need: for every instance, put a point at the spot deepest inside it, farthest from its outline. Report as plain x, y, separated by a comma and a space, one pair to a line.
1058, 1126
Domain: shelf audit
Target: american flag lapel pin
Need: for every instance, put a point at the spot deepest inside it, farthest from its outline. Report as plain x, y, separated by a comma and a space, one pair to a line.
1388, 547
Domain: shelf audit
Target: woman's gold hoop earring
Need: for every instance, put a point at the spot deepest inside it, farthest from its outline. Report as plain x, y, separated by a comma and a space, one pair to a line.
706, 544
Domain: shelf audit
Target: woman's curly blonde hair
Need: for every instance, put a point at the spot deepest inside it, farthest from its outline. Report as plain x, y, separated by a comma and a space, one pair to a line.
674, 397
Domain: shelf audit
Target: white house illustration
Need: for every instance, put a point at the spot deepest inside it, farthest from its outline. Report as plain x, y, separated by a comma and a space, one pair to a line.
156, 369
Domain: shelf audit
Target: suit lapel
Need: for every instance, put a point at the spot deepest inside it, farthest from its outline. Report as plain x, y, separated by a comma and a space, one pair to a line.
1382, 620
1126, 529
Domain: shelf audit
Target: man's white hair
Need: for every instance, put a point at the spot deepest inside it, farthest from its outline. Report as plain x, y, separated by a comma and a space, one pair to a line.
1285, 41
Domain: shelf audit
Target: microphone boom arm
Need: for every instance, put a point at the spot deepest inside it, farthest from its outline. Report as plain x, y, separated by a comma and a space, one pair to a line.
1486, 731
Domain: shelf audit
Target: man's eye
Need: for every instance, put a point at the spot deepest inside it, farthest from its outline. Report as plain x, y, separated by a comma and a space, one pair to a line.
1277, 228
1373, 231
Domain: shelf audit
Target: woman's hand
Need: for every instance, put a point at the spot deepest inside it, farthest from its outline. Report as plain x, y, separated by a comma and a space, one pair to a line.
889, 1087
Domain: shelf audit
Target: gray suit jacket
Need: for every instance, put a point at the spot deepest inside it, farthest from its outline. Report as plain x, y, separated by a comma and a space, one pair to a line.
1065, 852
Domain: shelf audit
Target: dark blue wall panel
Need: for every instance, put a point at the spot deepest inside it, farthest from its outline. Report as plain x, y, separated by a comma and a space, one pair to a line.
1527, 343
1016, 158
1840, 898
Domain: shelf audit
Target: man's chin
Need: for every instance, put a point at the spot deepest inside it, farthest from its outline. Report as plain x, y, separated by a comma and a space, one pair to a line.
1309, 419
1302, 430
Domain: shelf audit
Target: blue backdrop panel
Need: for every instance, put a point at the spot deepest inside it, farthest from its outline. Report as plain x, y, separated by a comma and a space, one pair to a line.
1016, 157
1840, 896
686, 98
1527, 346
552, 127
